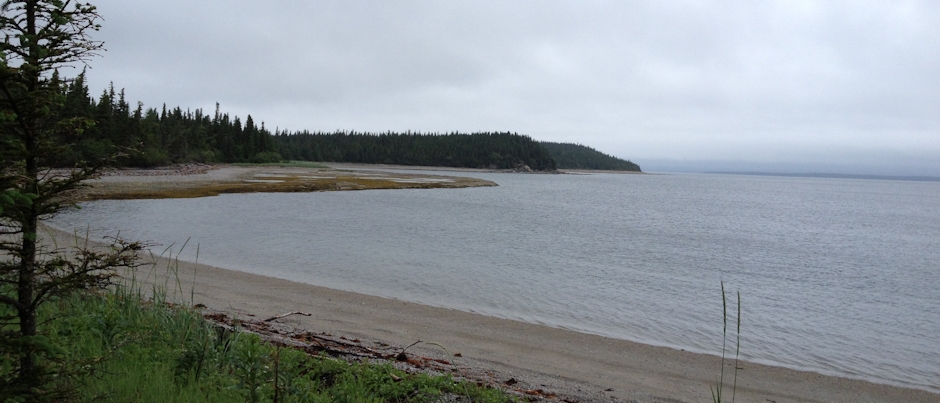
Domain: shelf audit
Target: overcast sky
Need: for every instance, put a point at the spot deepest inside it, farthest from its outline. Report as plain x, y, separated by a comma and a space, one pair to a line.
803, 86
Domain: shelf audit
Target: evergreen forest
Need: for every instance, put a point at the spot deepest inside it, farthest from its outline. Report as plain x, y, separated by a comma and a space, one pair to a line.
577, 156
168, 136
476, 150
157, 137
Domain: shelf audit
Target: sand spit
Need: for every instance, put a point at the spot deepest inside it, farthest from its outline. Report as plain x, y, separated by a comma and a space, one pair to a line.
205, 180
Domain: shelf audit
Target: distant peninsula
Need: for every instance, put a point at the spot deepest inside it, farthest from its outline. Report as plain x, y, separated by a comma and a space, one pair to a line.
577, 156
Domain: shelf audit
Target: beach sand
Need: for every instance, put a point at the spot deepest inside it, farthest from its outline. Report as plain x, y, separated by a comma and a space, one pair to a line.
577, 366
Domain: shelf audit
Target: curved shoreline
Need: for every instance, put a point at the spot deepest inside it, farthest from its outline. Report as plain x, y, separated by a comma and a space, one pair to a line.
578, 364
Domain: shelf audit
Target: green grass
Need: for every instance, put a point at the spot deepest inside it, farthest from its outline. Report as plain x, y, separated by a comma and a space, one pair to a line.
717, 395
291, 164
134, 350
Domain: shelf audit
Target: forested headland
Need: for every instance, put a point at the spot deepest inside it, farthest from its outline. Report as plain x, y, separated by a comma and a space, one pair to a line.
577, 156
167, 136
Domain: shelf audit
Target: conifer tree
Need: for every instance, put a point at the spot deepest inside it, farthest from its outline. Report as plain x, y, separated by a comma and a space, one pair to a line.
40, 37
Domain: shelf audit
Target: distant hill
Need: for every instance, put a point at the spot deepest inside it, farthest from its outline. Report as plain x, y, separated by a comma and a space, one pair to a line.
576, 156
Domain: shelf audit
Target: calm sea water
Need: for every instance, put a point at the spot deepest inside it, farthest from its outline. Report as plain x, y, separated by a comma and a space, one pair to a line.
838, 276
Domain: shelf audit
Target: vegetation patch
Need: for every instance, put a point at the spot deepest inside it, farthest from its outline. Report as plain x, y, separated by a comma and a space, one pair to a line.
134, 350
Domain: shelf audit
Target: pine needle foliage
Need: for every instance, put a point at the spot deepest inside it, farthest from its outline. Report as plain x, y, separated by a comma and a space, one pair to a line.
38, 38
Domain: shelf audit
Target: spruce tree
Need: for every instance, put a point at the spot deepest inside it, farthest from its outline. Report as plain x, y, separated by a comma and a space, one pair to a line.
40, 37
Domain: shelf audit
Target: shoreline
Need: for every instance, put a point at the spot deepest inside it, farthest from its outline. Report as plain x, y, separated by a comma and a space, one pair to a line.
581, 365
573, 171
578, 364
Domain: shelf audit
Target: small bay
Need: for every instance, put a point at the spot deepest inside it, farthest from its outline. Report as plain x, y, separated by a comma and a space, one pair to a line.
837, 276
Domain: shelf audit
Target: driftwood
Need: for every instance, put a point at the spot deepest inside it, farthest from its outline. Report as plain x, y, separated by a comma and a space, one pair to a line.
274, 318
315, 343
341, 347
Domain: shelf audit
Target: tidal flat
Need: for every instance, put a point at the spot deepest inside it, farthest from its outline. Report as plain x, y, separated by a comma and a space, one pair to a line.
190, 181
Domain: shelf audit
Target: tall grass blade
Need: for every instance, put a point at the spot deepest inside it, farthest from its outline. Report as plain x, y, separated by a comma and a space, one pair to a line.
192, 287
737, 352
719, 385
724, 339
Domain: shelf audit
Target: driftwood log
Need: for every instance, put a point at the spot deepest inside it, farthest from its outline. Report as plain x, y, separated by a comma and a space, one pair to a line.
276, 317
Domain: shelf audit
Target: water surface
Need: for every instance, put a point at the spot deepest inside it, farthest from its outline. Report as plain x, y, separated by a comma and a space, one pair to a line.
837, 276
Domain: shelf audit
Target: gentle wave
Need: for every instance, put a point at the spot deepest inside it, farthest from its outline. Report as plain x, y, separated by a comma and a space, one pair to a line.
837, 275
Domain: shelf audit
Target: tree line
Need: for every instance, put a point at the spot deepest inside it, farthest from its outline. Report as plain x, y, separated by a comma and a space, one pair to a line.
156, 137
166, 136
475, 150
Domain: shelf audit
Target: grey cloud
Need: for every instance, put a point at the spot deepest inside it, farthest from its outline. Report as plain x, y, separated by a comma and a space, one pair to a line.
703, 80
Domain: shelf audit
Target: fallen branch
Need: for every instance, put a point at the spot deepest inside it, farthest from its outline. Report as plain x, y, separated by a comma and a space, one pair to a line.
273, 318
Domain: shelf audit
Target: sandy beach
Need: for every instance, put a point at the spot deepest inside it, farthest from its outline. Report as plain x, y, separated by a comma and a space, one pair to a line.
576, 366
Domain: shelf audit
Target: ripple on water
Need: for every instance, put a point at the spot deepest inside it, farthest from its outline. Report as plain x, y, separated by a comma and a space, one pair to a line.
837, 276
